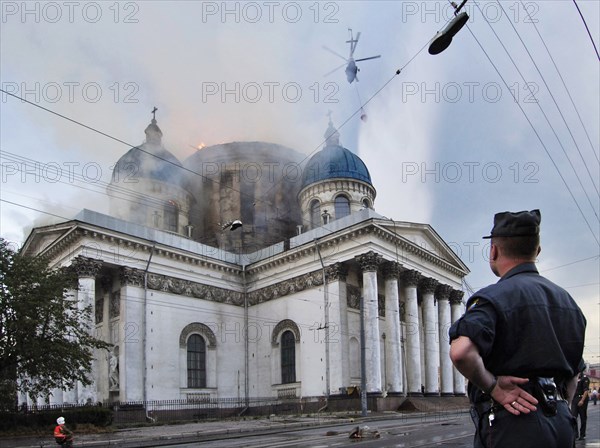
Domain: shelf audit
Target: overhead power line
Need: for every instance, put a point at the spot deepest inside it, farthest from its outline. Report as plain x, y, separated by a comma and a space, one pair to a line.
594, 150
587, 29
557, 107
533, 127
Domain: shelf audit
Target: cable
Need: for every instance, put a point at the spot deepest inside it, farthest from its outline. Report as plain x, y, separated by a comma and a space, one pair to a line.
557, 107
121, 141
595, 257
549, 124
533, 127
587, 29
563, 82
34, 209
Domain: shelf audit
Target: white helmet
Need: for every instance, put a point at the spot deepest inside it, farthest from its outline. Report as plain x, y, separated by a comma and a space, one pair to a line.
60, 420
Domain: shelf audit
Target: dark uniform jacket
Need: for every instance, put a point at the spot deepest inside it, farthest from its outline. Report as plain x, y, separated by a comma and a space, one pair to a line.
525, 326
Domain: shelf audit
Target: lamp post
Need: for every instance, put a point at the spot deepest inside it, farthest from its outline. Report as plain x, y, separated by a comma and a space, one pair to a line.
443, 39
232, 225
363, 361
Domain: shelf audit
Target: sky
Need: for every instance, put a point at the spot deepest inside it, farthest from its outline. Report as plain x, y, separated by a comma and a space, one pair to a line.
449, 139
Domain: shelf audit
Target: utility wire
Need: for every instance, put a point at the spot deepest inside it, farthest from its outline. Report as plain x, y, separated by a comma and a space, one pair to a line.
536, 133
531, 124
563, 83
557, 107
587, 29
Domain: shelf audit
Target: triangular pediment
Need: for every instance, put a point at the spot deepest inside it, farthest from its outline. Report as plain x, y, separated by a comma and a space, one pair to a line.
41, 238
424, 237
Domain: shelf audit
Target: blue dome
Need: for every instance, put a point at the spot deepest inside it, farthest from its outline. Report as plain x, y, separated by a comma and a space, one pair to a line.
333, 162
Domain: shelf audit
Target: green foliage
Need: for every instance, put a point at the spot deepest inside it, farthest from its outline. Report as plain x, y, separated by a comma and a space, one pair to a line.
45, 337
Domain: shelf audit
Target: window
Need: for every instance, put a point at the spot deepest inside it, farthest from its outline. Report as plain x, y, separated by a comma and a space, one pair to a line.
196, 361
366, 203
288, 357
342, 207
171, 212
315, 214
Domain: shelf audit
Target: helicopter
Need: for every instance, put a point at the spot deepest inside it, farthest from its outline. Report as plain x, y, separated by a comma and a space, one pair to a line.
351, 67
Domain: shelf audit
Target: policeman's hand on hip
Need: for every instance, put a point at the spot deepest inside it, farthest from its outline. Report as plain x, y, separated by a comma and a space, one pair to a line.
514, 399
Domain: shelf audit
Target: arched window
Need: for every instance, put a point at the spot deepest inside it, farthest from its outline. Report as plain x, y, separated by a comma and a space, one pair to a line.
366, 203
315, 214
171, 214
288, 357
196, 361
342, 206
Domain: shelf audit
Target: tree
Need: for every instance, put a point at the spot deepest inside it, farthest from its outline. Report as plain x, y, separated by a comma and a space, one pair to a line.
45, 337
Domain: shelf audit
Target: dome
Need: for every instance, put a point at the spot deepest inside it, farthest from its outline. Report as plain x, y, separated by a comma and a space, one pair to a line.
255, 182
334, 162
149, 160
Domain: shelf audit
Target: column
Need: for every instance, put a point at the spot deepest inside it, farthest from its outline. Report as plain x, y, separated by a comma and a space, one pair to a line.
442, 295
457, 311
394, 367
87, 269
368, 264
69, 396
103, 332
430, 331
410, 280
56, 396
339, 351
129, 352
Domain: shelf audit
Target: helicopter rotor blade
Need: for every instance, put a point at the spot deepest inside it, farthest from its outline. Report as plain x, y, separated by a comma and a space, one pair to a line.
333, 52
334, 70
366, 59
353, 42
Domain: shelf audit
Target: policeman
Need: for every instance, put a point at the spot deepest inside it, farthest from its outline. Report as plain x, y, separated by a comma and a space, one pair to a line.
580, 402
520, 345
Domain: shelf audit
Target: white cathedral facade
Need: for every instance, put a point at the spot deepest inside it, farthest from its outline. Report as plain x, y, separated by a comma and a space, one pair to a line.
198, 308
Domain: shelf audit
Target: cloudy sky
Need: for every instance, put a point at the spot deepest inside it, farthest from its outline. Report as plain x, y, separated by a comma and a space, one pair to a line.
451, 140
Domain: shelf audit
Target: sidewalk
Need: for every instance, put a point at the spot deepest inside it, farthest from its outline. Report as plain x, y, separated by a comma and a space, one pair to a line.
191, 432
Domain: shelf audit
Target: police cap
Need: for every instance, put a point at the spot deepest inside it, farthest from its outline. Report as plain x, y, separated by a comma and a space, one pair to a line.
507, 224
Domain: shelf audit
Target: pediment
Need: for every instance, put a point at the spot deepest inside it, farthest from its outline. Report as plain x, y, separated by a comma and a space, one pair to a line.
423, 236
41, 238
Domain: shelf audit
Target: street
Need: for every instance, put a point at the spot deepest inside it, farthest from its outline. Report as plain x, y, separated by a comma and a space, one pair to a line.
408, 432
422, 431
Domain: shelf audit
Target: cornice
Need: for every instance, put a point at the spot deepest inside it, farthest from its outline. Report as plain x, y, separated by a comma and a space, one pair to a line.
286, 287
341, 236
129, 247
333, 184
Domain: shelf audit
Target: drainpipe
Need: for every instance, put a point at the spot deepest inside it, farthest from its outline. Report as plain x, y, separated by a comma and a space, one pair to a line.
326, 326
145, 332
246, 342
363, 361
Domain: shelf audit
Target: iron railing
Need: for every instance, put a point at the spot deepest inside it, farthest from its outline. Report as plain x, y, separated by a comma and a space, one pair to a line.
191, 409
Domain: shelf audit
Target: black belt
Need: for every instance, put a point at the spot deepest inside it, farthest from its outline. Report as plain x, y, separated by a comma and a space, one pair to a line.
543, 389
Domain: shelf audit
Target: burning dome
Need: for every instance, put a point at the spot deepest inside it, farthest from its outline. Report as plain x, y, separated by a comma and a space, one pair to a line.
255, 182
262, 185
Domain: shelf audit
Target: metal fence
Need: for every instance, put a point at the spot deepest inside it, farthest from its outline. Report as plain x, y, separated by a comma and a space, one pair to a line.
200, 409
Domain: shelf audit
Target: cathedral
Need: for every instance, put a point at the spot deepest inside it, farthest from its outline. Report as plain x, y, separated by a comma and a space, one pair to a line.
250, 270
